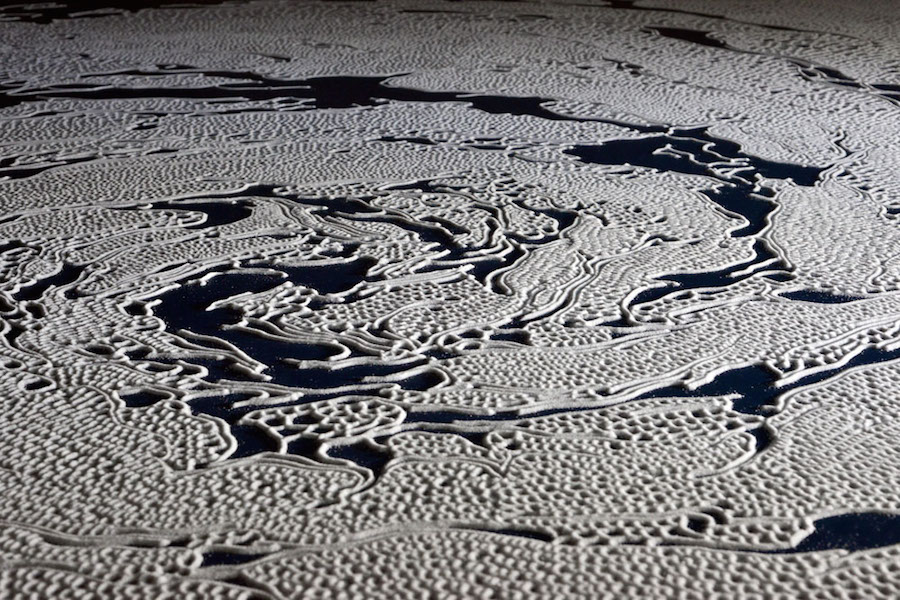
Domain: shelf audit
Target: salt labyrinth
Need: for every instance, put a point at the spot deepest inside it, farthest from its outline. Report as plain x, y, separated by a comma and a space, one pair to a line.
432, 299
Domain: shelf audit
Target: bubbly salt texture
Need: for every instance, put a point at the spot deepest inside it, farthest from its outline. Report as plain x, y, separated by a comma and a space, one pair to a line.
450, 299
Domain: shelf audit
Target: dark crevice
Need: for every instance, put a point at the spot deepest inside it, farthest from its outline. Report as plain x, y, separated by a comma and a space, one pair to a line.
23, 172
322, 92
756, 384
856, 531
631, 5
67, 275
694, 152
521, 532
721, 278
807, 69
221, 558
12, 334
820, 297
143, 398
689, 35
218, 213
366, 453
764, 436
753, 384
252, 440
61, 10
